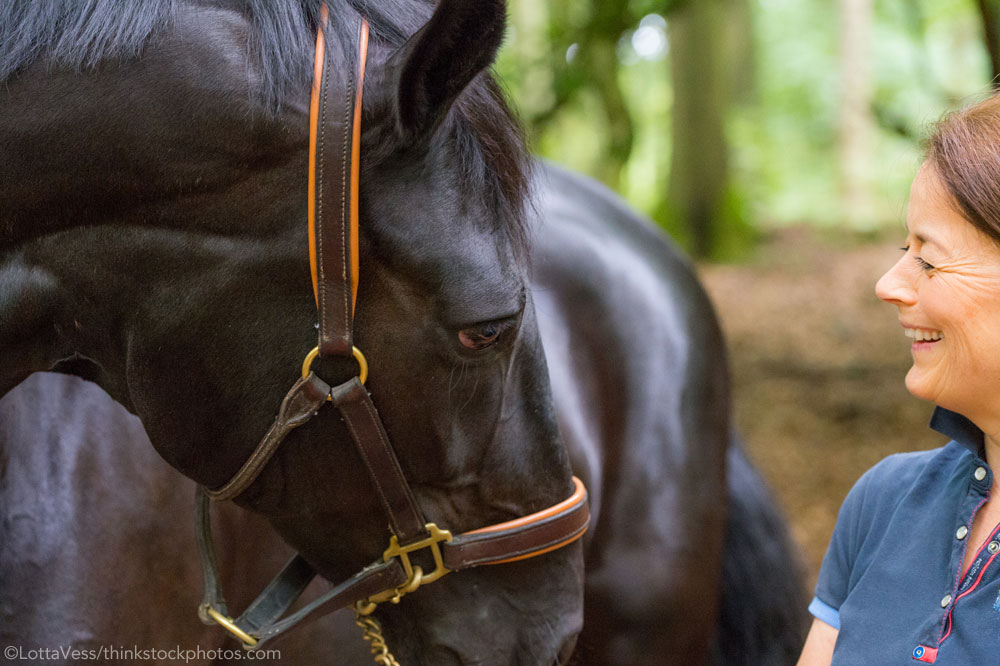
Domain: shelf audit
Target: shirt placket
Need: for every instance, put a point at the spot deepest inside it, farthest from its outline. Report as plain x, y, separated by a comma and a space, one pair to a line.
964, 582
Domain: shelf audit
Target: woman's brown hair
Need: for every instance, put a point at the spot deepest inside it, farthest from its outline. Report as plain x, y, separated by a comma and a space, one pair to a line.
964, 149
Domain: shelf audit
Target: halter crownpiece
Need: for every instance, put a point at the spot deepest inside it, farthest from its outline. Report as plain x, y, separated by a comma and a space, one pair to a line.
334, 168
333, 186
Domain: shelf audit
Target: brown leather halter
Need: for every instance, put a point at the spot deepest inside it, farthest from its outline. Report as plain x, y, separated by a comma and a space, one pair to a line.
334, 160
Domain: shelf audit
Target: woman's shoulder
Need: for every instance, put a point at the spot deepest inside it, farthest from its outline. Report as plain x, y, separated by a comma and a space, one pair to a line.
912, 464
891, 500
888, 480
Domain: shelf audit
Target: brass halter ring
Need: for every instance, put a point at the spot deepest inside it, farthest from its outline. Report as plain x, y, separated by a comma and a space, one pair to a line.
358, 356
229, 625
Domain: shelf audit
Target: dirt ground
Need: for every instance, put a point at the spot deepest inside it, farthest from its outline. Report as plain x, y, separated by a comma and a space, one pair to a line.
818, 364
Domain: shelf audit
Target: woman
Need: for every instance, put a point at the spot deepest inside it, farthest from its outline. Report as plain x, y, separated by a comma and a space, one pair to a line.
910, 574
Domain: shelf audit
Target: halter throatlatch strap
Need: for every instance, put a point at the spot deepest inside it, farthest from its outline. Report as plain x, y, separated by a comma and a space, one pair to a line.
334, 173
334, 158
305, 397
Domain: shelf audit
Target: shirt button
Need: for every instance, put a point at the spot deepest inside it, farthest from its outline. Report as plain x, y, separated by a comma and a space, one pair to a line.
993, 547
980, 473
946, 601
962, 532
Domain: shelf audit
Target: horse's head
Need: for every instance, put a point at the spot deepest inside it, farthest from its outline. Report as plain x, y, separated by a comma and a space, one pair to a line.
153, 238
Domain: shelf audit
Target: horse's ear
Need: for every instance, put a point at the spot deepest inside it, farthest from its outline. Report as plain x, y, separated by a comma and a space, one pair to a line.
441, 59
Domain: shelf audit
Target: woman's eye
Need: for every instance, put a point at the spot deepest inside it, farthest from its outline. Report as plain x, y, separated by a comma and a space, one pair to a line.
924, 265
482, 336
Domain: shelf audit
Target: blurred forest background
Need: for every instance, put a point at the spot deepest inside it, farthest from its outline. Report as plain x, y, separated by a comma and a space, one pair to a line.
775, 141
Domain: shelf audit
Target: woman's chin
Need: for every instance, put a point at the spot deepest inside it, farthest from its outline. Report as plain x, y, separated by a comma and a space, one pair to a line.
917, 384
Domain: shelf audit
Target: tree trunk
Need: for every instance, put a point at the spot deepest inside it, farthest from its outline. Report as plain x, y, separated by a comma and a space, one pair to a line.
856, 124
699, 175
742, 55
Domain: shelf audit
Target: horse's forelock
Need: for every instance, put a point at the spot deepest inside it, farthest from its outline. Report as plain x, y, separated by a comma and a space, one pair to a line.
81, 34
495, 157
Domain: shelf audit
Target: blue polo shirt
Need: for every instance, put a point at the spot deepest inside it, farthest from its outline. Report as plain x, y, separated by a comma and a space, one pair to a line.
891, 580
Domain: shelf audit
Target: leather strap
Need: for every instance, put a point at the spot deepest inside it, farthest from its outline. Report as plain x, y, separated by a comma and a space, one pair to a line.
375, 578
299, 405
530, 536
262, 620
365, 426
334, 163
213, 597
279, 595
335, 138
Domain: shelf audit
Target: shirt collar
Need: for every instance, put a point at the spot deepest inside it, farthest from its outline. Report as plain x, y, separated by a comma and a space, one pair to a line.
959, 428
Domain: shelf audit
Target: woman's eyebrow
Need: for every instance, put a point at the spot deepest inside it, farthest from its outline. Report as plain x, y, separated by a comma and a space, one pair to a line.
924, 238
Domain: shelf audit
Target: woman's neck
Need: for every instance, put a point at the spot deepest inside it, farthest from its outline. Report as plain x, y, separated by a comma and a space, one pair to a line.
992, 446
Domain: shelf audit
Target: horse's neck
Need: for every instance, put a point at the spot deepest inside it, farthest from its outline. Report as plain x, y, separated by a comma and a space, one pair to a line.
103, 145
79, 271
116, 183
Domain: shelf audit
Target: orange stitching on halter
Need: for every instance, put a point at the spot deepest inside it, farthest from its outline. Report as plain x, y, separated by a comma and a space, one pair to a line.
575, 498
356, 163
317, 85
536, 553
579, 493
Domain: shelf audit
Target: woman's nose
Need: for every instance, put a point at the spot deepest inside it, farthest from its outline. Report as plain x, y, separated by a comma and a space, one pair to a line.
896, 286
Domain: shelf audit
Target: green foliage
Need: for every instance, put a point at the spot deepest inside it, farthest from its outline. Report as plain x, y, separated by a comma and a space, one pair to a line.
925, 56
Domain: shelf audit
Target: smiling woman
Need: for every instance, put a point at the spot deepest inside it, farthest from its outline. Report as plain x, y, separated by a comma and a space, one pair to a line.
910, 573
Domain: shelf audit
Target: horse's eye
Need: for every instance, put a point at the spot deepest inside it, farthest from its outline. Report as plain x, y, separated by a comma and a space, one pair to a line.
483, 335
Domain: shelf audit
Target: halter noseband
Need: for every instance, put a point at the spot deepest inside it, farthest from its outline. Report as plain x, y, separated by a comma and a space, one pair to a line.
334, 162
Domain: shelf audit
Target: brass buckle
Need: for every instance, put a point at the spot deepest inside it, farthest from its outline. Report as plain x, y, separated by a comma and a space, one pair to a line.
227, 623
415, 576
358, 356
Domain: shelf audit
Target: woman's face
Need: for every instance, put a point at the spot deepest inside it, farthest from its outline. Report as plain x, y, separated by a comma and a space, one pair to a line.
946, 287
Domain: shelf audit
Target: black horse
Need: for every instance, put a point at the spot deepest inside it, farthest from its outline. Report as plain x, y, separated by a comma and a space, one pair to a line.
152, 239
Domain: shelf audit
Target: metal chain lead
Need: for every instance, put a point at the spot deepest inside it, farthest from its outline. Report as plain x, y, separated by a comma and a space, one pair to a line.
373, 634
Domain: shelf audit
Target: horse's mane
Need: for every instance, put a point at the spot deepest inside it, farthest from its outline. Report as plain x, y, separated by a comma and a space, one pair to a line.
84, 33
